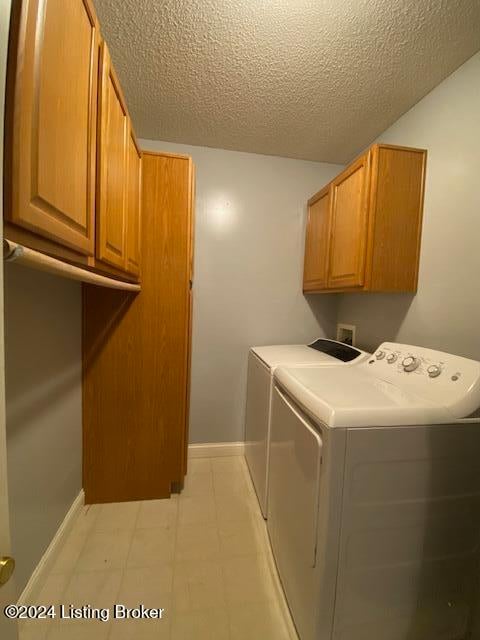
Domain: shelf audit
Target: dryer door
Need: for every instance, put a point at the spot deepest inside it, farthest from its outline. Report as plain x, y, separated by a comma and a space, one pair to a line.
293, 502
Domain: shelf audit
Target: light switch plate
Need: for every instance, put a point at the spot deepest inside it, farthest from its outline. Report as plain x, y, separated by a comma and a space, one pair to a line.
346, 333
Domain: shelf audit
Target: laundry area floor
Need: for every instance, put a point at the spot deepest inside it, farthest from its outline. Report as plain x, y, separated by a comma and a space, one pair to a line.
203, 556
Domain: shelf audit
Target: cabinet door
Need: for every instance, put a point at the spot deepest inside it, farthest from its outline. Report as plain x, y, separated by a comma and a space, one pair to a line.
317, 242
191, 249
112, 179
349, 226
133, 206
53, 115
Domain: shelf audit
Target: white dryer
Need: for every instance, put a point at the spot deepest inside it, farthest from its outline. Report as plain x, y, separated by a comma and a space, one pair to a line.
262, 363
374, 495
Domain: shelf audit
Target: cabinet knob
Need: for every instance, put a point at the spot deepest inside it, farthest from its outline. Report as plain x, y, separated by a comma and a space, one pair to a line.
7, 567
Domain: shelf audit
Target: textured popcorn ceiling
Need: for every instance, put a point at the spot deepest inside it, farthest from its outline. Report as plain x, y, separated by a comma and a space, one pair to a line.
315, 79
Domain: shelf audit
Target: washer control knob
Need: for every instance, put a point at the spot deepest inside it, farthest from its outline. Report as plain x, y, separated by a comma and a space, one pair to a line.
434, 370
380, 355
392, 357
410, 363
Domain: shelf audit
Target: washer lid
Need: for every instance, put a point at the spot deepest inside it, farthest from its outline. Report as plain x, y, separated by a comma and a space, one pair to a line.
324, 352
351, 397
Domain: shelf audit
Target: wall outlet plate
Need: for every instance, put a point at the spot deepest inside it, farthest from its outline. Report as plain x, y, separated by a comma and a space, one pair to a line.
346, 333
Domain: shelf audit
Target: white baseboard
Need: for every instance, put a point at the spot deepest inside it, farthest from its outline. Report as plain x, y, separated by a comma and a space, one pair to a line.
216, 449
37, 579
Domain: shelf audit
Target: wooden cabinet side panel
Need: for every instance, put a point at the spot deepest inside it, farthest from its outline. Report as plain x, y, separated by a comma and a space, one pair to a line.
135, 353
349, 226
397, 209
53, 111
317, 242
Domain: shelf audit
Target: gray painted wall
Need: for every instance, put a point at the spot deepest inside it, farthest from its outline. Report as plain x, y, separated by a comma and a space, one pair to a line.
44, 408
445, 313
249, 235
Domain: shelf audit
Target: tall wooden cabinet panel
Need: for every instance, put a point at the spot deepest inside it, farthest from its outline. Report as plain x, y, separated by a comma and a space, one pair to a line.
317, 241
113, 139
133, 206
51, 142
136, 351
349, 226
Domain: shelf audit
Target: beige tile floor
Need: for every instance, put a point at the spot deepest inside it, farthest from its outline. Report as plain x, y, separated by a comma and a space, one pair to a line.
203, 556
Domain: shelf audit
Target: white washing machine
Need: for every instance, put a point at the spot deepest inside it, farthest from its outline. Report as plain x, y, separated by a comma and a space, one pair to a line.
374, 495
262, 363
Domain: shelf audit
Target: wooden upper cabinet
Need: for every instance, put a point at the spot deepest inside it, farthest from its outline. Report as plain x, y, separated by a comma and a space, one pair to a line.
349, 226
52, 137
373, 210
133, 206
317, 241
113, 143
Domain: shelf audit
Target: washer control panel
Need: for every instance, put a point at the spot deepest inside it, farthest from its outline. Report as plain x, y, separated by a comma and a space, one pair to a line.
444, 378
411, 360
